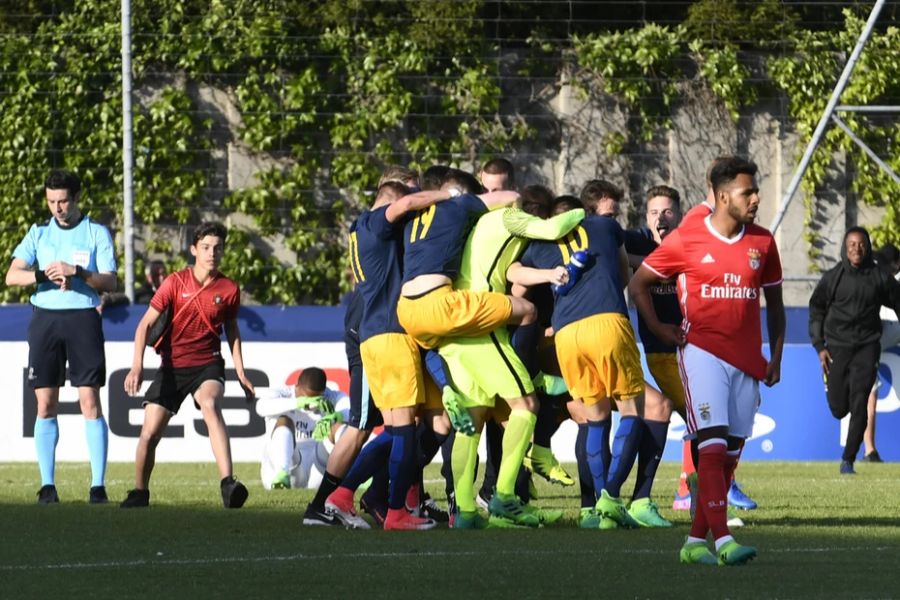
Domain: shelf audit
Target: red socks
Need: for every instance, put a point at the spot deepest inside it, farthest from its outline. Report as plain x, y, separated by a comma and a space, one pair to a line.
712, 508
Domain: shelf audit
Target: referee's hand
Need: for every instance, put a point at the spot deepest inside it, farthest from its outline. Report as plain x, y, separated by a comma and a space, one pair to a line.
133, 381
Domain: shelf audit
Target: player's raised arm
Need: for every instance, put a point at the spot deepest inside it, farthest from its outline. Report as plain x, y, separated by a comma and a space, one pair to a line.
639, 290
413, 202
522, 224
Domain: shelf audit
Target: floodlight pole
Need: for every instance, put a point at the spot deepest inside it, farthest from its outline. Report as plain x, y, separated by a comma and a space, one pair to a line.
826, 116
127, 152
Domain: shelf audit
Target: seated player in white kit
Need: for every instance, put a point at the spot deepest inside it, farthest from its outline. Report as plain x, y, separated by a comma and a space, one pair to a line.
303, 422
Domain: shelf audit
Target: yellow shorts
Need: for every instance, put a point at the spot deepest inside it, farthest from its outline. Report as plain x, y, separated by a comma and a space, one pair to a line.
393, 368
483, 368
432, 395
664, 368
449, 313
599, 358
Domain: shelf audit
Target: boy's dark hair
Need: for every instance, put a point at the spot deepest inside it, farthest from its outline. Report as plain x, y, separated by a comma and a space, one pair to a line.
664, 190
566, 202
726, 170
464, 180
434, 177
209, 228
63, 180
596, 190
394, 188
537, 200
313, 379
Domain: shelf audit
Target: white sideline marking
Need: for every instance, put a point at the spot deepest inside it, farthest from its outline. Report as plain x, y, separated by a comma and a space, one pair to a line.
298, 557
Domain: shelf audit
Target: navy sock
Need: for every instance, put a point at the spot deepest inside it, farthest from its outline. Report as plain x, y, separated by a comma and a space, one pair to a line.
585, 480
624, 451
429, 442
547, 420
597, 451
402, 464
434, 364
525, 342
447, 466
378, 490
493, 437
371, 458
522, 490
653, 444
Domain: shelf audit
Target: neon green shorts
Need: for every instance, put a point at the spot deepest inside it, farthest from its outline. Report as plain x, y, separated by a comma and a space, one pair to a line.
483, 368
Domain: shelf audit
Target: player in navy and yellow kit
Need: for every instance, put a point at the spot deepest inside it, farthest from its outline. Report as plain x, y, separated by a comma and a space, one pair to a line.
595, 344
390, 357
429, 308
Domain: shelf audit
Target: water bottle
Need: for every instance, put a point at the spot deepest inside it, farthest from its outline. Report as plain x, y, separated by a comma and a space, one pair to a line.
576, 265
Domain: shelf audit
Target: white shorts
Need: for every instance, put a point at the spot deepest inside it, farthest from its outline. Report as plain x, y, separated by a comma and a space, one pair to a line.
717, 394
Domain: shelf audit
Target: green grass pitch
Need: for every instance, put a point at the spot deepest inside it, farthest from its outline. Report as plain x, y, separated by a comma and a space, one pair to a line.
819, 535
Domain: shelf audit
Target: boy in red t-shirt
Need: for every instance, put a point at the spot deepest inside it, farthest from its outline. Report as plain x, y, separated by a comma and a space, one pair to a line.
200, 301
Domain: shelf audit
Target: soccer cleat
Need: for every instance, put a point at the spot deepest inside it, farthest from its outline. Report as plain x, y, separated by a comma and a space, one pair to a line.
533, 493
315, 516
614, 508
694, 491
470, 520
540, 460
340, 504
733, 554
459, 416
589, 518
645, 512
413, 499
544, 515
234, 493
483, 499
512, 510
47, 495
872, 457
682, 502
282, 481
399, 519
607, 523
136, 499
374, 507
430, 510
696, 553
97, 495
738, 499
733, 519
847, 468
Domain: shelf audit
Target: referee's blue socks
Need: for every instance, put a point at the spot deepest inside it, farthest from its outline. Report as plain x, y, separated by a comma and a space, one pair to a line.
624, 451
46, 435
97, 434
597, 451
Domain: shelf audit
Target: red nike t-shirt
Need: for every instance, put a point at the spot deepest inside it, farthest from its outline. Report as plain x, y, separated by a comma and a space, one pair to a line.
193, 339
719, 281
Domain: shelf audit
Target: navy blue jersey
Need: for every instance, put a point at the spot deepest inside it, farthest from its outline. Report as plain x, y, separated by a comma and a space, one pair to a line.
599, 288
664, 294
434, 238
375, 255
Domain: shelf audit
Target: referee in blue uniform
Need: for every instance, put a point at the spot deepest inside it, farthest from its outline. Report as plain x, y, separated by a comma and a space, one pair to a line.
71, 259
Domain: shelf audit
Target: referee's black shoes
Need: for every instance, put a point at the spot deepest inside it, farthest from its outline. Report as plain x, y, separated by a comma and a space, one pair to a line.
234, 493
47, 495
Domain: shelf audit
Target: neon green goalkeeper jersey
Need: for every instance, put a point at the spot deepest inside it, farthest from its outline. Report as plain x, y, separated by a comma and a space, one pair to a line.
498, 240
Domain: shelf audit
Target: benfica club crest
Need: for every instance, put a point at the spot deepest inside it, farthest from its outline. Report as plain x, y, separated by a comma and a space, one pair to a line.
754, 255
218, 298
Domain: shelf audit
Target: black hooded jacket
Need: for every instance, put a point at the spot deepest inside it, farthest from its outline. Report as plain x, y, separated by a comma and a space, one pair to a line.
844, 307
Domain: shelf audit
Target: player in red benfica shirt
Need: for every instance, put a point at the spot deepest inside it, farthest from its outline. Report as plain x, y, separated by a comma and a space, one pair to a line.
201, 301
722, 262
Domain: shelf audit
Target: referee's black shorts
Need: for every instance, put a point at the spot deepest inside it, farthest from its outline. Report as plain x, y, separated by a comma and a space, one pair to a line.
59, 336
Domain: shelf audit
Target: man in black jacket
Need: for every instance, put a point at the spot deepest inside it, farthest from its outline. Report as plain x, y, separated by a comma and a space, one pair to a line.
844, 327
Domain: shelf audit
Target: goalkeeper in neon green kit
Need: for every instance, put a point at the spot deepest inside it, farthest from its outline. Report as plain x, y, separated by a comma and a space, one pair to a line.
481, 369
